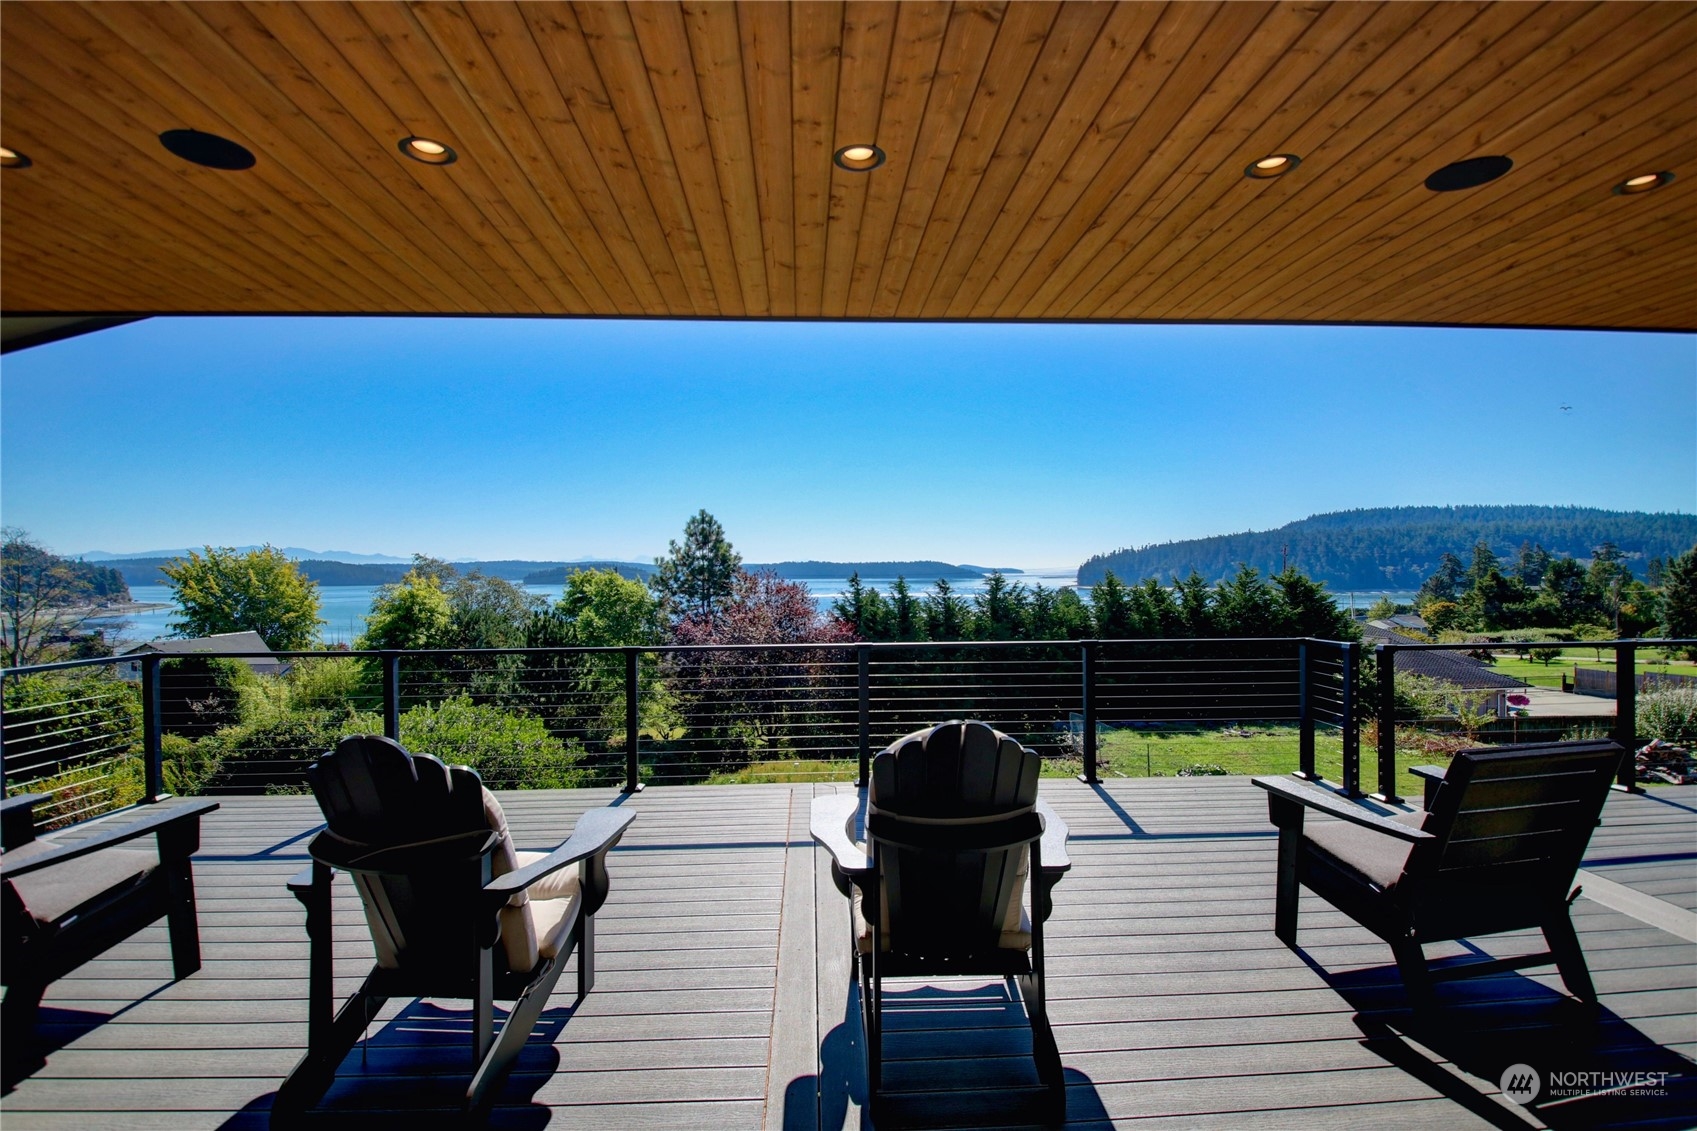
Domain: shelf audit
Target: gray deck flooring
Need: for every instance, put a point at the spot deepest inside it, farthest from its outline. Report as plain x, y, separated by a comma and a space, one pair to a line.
723, 996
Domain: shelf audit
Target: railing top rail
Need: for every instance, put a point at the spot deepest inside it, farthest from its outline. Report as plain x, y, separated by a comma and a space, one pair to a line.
1518, 645
873, 646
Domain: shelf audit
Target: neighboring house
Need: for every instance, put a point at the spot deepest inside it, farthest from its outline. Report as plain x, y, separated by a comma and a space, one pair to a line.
223, 642
1400, 622
1487, 688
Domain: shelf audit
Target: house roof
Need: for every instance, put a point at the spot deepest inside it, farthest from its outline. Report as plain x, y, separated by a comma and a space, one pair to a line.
1451, 667
1042, 161
219, 642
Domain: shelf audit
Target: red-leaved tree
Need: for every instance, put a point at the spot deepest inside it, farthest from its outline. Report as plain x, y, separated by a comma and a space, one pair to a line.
751, 694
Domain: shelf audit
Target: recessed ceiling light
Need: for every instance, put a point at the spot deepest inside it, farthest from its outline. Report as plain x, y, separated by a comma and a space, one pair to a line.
1276, 165
1471, 173
428, 151
858, 158
1644, 182
12, 159
206, 149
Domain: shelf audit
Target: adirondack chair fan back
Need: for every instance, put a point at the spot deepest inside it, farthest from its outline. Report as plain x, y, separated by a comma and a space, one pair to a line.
937, 872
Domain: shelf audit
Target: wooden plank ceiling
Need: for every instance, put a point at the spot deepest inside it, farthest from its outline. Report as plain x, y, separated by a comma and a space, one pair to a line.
1045, 160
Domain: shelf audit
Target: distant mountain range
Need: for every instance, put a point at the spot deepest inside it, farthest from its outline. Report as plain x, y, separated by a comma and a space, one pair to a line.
1396, 547
291, 551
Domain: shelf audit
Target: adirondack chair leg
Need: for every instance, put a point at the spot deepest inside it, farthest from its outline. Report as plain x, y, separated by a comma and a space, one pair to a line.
521, 1020
326, 1046
183, 923
17, 1028
585, 956
1288, 893
1416, 979
483, 1005
1570, 960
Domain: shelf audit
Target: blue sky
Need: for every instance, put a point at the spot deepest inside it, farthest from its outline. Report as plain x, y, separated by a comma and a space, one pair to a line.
1012, 445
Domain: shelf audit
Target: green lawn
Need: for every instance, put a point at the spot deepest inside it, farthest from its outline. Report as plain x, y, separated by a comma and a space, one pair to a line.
1549, 675
1120, 753
1250, 750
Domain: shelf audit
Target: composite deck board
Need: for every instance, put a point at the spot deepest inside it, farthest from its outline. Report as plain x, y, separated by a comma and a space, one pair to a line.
723, 995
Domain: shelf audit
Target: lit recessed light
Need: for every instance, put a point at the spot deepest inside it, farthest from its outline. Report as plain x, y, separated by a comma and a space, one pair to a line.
427, 151
1471, 173
1644, 182
1276, 165
858, 158
207, 149
12, 159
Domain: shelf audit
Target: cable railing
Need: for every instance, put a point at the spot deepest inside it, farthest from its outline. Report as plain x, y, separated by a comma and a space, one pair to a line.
101, 734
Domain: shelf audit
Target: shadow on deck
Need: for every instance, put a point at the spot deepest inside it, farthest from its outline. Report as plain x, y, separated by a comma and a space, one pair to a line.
724, 998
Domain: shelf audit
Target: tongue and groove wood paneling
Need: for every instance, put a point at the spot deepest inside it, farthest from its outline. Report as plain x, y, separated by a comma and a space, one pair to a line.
1046, 160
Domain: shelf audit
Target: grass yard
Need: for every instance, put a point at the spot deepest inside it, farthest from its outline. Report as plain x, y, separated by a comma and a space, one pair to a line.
1549, 675
1138, 753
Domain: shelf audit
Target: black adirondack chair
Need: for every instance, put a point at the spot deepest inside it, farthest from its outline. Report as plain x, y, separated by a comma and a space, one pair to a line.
936, 868
69, 899
454, 910
1496, 850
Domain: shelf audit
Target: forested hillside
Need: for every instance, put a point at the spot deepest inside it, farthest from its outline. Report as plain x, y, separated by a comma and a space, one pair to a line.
1396, 547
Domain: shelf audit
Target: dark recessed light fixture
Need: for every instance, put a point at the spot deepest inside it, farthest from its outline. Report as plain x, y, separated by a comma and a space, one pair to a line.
1471, 173
207, 149
1644, 182
1274, 165
858, 158
428, 151
12, 159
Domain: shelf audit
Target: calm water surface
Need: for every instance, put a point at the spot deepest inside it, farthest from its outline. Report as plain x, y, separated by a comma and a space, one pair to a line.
343, 607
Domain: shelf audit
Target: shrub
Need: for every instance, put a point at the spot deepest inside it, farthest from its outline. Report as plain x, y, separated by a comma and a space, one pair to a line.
1670, 714
188, 767
508, 750
75, 735
277, 745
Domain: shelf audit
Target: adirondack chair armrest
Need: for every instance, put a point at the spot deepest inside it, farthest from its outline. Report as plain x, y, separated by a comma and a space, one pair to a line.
829, 824
595, 833
176, 823
1054, 844
17, 819
1305, 795
1428, 773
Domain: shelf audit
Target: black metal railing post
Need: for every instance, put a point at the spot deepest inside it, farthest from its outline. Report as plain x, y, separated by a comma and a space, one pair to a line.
392, 695
152, 731
863, 696
1351, 724
1087, 650
1626, 714
1387, 724
633, 729
1305, 715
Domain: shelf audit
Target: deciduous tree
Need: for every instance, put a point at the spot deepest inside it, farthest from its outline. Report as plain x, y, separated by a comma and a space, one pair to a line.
261, 591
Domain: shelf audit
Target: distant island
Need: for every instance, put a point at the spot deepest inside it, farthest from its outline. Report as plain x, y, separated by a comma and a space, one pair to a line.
145, 570
1396, 547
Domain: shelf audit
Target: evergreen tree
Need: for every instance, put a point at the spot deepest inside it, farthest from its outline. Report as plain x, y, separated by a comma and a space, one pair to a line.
697, 578
1309, 610
1530, 564
1244, 605
1444, 583
1110, 608
1196, 606
907, 621
1484, 564
1003, 610
946, 615
1153, 612
1679, 598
